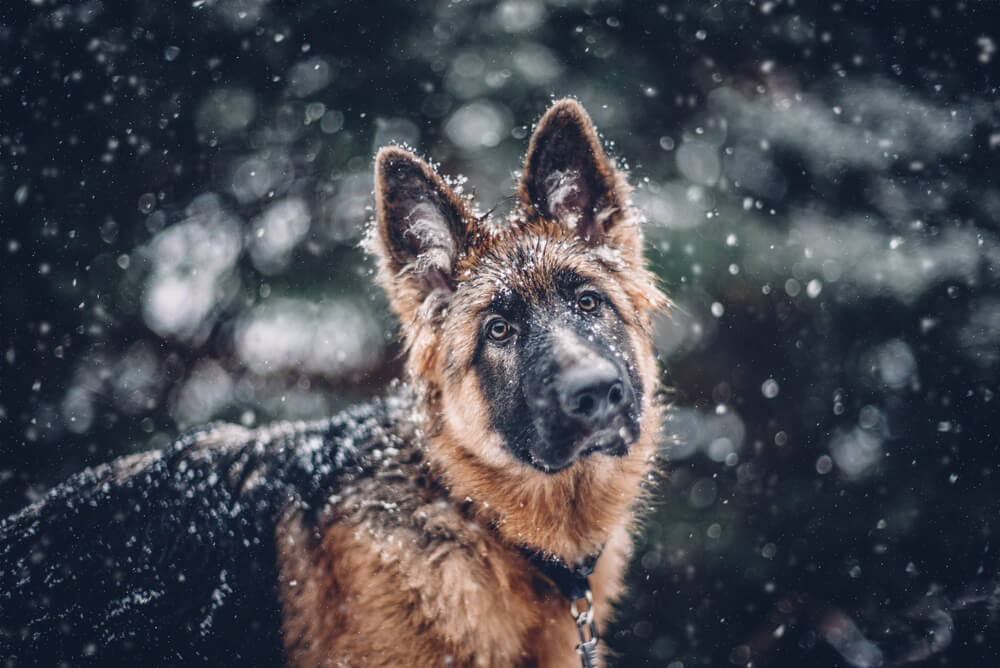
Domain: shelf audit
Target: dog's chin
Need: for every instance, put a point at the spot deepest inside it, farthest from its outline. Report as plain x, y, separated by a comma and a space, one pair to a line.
552, 458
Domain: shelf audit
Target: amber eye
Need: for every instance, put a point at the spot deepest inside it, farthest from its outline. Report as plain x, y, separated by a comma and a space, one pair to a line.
587, 301
499, 329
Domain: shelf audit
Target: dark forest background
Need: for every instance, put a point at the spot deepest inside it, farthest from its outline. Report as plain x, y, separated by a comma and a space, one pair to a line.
183, 186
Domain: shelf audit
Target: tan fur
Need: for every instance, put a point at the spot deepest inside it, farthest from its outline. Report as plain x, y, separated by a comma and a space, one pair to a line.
421, 564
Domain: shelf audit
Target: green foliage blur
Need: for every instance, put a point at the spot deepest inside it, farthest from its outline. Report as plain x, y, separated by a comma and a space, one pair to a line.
183, 187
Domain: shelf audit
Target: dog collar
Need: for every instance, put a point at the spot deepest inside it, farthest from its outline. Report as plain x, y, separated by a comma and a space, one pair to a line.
573, 583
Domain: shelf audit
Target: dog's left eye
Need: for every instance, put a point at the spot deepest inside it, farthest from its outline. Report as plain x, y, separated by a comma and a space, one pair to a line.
499, 329
588, 301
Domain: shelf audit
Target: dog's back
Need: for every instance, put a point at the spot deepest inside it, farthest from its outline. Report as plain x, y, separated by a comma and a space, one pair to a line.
172, 555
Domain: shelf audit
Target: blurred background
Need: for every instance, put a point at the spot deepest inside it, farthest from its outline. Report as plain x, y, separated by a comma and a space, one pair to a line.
183, 186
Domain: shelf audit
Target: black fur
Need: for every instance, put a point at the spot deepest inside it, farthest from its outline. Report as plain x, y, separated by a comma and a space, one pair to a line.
176, 564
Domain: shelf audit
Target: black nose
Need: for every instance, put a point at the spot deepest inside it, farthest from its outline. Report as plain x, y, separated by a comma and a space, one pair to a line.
594, 395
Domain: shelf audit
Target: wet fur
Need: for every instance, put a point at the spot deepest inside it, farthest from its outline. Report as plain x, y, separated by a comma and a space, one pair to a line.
389, 535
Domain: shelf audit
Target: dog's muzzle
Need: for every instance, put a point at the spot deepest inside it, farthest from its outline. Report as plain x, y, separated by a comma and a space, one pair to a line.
590, 409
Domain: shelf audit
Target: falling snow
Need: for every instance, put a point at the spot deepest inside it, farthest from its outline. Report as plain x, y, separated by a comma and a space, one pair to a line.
185, 186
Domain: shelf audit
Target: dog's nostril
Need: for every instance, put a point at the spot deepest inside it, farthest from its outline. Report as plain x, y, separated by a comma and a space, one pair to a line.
615, 394
585, 404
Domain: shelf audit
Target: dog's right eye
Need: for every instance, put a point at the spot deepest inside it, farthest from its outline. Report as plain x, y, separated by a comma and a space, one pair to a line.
499, 329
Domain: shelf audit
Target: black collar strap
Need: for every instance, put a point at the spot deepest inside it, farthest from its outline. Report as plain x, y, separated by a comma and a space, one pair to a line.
571, 580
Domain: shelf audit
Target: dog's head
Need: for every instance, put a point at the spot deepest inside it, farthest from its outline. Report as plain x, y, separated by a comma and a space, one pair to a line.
530, 335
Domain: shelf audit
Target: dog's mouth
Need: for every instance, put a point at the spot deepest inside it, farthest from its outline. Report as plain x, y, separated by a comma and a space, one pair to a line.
613, 441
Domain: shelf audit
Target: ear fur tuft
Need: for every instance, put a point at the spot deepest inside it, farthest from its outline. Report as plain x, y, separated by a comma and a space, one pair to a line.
568, 177
421, 227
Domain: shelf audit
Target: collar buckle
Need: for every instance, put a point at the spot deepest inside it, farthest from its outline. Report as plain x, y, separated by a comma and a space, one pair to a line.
574, 584
585, 626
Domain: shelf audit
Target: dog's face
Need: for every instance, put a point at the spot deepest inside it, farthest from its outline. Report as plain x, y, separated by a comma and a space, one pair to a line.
551, 356
532, 334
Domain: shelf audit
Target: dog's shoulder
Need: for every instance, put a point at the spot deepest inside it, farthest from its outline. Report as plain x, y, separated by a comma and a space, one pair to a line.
393, 549
163, 553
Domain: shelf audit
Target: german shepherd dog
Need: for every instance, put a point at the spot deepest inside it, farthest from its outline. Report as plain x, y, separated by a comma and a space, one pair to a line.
449, 523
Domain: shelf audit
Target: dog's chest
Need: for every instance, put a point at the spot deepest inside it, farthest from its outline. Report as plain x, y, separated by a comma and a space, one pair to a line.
413, 581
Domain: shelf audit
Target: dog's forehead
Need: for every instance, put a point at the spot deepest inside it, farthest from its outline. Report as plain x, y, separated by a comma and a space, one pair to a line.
528, 266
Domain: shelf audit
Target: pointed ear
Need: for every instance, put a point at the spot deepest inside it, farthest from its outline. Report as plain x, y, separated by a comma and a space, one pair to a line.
422, 226
569, 178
